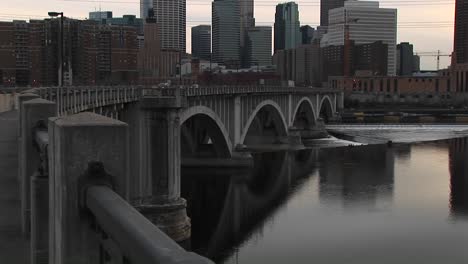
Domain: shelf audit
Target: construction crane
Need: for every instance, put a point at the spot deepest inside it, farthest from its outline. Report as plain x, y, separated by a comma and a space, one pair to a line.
347, 42
437, 54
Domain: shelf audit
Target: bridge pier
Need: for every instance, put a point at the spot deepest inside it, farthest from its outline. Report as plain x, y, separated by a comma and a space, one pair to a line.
165, 208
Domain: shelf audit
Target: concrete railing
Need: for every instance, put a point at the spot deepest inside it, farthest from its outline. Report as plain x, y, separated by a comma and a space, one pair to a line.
71, 100
67, 209
9, 99
125, 228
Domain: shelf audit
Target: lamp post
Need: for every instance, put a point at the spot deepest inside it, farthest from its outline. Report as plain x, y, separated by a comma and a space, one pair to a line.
56, 14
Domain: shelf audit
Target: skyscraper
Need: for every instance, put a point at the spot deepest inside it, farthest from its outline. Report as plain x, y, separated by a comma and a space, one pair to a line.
226, 32
247, 19
201, 42
325, 7
370, 24
287, 26
171, 15
461, 32
145, 6
307, 33
259, 46
405, 59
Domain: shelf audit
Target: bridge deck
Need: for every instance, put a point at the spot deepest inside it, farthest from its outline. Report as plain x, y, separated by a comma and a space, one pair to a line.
14, 248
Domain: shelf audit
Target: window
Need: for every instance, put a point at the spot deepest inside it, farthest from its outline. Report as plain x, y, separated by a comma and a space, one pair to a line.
372, 85
395, 85
448, 86
388, 85
381, 85
437, 86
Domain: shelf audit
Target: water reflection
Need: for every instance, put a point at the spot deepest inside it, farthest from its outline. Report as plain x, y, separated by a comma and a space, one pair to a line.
458, 164
357, 176
226, 206
372, 204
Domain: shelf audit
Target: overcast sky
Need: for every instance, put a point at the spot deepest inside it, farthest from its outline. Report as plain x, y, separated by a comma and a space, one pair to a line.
428, 24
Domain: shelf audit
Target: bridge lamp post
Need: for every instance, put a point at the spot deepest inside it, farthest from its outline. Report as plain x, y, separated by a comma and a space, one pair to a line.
56, 14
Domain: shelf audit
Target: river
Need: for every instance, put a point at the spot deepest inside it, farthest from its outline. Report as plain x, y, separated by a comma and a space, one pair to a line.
380, 203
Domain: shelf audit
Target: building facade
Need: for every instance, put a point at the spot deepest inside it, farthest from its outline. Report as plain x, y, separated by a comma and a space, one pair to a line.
307, 34
287, 26
259, 46
301, 65
145, 7
460, 46
100, 15
405, 59
171, 15
201, 42
226, 33
93, 53
325, 7
427, 90
367, 23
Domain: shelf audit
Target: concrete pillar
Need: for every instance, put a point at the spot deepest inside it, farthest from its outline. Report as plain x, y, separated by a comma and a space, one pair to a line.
237, 126
165, 208
32, 112
75, 142
39, 219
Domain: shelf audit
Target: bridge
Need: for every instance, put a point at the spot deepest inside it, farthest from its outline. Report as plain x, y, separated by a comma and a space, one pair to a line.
95, 154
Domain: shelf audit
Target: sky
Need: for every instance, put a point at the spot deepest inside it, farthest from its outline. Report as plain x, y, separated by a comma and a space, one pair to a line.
427, 24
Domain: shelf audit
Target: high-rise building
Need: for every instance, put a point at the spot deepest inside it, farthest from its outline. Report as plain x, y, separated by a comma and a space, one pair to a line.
100, 15
416, 63
247, 19
325, 7
145, 7
461, 32
201, 42
287, 26
405, 59
367, 23
259, 46
171, 15
307, 33
226, 32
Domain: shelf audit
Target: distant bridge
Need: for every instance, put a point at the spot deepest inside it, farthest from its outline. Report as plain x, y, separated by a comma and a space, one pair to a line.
141, 159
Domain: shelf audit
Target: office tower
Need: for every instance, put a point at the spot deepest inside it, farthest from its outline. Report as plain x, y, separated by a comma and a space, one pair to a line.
259, 46
170, 16
100, 15
325, 7
247, 19
201, 42
367, 23
405, 59
307, 33
226, 32
287, 26
145, 7
461, 32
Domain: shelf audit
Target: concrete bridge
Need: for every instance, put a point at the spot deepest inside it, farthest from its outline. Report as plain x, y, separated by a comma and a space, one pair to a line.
138, 158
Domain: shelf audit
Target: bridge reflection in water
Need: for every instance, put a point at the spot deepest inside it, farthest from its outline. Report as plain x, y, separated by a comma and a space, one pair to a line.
228, 207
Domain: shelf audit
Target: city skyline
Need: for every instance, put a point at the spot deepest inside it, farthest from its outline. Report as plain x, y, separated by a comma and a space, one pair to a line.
429, 30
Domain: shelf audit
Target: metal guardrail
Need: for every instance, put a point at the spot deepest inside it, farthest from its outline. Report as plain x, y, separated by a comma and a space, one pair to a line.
139, 241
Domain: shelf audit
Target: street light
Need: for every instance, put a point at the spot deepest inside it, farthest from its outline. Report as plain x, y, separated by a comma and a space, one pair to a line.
56, 14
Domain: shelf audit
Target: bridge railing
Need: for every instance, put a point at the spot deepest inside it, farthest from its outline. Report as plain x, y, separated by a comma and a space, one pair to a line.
74, 99
138, 239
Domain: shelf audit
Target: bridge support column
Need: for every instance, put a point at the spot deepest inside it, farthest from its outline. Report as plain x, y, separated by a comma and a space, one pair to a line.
166, 209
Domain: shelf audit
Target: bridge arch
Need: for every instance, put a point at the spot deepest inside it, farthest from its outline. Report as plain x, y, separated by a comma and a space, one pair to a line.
218, 132
306, 105
272, 108
326, 110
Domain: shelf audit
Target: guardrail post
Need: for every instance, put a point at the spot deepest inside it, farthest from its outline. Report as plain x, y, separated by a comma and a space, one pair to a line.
31, 112
75, 142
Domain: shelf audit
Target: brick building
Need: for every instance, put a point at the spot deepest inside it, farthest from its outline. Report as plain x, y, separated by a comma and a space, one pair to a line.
93, 53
